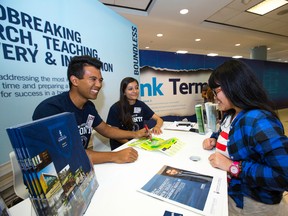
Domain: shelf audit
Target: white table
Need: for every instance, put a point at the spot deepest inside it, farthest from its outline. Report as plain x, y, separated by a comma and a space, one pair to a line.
118, 183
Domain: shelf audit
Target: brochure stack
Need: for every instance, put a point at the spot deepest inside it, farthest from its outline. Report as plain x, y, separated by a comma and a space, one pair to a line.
56, 169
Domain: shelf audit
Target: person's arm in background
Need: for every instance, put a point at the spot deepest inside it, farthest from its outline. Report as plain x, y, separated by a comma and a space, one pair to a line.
156, 129
126, 155
159, 122
116, 133
122, 141
114, 121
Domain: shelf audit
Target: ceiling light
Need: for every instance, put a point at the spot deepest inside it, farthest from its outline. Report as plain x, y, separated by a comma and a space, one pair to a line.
159, 35
266, 6
198, 39
147, 47
268, 48
184, 11
237, 44
237, 57
181, 51
212, 54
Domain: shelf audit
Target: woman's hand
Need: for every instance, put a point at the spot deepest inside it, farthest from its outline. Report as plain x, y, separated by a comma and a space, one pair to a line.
220, 161
156, 130
209, 143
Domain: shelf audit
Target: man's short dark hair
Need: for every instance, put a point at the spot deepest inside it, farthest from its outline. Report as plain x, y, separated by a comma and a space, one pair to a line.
77, 64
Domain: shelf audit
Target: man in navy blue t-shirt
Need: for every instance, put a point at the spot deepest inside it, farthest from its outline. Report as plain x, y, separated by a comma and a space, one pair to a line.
85, 81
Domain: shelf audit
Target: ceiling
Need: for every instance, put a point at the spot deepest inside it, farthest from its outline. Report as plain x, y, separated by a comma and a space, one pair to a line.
219, 24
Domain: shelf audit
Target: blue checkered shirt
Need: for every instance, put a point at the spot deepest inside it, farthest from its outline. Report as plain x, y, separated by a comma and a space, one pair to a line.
257, 139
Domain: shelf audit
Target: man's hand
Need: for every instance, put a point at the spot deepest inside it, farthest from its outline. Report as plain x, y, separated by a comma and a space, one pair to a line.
126, 155
209, 143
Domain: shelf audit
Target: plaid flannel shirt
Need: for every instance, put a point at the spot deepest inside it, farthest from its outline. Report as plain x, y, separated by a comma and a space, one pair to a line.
257, 139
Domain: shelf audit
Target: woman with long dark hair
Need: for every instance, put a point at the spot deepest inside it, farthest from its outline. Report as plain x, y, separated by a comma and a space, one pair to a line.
250, 145
129, 113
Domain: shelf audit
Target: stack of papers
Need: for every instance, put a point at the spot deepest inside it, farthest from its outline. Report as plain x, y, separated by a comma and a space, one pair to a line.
182, 126
56, 169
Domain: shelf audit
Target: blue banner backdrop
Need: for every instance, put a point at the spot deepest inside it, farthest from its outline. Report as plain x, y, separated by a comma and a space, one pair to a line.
171, 83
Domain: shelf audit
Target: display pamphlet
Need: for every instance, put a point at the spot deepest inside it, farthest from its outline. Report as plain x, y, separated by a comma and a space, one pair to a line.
191, 190
56, 169
211, 115
169, 146
200, 118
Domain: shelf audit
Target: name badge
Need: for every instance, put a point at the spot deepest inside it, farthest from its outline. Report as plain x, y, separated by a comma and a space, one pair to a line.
137, 109
89, 121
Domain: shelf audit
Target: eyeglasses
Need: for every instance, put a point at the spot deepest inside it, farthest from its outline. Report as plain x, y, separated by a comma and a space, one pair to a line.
216, 91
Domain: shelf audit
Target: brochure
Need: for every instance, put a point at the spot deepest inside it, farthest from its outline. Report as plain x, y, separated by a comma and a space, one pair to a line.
200, 118
56, 169
169, 147
212, 115
191, 190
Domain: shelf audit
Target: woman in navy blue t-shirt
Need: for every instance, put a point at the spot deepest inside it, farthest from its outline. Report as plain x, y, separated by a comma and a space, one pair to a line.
129, 113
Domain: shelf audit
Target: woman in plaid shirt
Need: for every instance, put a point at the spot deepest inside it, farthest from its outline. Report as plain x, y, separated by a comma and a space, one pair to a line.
250, 144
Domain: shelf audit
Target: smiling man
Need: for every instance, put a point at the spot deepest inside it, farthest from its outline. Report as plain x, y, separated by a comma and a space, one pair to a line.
85, 82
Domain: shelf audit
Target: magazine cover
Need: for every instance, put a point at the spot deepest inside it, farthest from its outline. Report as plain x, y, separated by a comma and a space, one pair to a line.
181, 187
55, 166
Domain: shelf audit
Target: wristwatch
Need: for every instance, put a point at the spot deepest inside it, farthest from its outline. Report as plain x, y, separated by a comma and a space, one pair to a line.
235, 169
